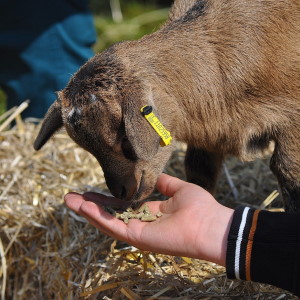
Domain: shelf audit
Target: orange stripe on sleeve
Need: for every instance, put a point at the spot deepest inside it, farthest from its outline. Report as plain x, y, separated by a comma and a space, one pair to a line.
250, 244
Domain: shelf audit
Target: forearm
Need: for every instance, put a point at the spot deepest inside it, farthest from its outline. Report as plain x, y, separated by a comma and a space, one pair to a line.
265, 247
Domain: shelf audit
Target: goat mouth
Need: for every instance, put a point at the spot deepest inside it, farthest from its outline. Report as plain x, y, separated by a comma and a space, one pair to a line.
140, 188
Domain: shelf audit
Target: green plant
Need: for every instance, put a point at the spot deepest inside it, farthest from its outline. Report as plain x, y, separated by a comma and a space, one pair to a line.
135, 21
2, 102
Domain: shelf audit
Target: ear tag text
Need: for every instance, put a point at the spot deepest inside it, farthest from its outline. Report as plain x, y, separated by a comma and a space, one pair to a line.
156, 124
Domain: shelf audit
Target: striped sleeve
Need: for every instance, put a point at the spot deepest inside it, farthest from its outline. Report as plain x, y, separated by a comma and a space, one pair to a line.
240, 242
264, 246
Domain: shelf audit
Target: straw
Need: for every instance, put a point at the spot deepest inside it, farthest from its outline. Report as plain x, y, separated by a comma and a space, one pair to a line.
49, 252
14, 114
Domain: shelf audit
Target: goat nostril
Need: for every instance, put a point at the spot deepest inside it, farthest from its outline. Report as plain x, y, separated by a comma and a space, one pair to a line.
123, 193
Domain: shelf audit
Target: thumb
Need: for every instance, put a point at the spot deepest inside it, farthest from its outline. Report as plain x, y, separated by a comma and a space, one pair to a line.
168, 185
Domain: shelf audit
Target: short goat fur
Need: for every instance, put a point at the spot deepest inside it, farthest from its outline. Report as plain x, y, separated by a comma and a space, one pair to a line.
222, 76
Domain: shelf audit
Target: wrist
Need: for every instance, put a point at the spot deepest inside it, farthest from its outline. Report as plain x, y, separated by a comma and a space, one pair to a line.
216, 234
224, 223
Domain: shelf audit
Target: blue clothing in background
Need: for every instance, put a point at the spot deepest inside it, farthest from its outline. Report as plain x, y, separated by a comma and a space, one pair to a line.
42, 43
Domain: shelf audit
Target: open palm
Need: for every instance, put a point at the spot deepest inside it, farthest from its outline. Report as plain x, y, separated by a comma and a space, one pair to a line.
193, 224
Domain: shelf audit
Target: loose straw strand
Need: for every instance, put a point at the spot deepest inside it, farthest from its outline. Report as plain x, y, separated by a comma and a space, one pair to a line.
19, 110
4, 268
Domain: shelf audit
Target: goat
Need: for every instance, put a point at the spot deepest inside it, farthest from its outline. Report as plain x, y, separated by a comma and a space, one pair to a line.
222, 76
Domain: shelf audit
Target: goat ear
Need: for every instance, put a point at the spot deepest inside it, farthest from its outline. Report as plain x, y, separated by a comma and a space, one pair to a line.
52, 122
141, 135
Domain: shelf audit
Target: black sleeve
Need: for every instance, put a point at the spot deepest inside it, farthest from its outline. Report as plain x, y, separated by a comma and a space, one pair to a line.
265, 247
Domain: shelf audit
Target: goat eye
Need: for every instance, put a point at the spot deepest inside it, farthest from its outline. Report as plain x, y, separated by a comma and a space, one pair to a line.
128, 150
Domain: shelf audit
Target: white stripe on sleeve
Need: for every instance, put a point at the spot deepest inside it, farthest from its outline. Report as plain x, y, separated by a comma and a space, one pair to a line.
239, 242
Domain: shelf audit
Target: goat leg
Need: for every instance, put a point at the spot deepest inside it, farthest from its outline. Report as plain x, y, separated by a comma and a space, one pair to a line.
285, 164
203, 167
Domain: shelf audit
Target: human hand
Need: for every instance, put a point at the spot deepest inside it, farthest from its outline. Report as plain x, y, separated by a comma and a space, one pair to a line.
193, 224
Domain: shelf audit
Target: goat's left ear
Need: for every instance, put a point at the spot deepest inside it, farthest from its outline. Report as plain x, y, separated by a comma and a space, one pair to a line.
52, 122
143, 138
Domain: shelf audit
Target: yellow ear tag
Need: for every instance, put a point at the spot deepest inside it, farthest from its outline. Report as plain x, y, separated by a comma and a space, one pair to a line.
156, 124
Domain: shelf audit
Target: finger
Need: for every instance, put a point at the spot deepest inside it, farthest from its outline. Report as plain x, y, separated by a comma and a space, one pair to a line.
74, 201
96, 216
108, 223
103, 220
168, 185
98, 226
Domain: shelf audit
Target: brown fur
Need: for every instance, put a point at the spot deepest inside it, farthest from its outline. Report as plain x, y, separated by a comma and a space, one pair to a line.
223, 76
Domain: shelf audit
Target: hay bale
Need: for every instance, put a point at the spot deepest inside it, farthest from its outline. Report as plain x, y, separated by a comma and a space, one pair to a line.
48, 252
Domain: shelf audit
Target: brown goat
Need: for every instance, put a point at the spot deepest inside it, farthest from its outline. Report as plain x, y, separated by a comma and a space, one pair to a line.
222, 76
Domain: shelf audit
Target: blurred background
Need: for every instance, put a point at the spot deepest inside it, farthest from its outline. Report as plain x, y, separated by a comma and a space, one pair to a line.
117, 20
